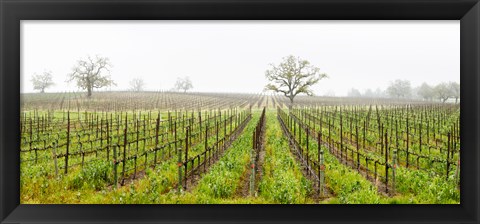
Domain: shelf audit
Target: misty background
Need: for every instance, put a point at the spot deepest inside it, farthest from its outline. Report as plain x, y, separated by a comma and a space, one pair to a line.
232, 56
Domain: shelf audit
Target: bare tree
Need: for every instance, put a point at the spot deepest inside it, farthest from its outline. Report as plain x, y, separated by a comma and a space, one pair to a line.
89, 73
292, 77
399, 89
442, 92
368, 93
354, 93
183, 84
379, 93
426, 91
137, 84
454, 90
43, 81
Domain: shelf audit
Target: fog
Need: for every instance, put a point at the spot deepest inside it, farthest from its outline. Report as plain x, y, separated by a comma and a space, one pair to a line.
232, 56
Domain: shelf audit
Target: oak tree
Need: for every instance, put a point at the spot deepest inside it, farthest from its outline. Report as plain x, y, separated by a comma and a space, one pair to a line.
137, 84
92, 73
183, 84
293, 76
43, 81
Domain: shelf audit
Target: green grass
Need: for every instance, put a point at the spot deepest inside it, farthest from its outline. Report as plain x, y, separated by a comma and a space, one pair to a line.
283, 181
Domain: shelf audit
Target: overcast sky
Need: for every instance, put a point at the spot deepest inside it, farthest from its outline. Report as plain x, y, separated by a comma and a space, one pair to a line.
232, 56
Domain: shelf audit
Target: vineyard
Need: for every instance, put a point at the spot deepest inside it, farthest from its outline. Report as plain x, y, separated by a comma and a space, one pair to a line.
207, 148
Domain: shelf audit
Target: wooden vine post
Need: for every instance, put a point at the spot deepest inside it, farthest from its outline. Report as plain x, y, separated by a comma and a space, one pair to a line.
54, 148
408, 135
329, 136
252, 161
206, 148
396, 139
157, 127
108, 142
364, 133
175, 137
186, 156
394, 169
137, 129
386, 162
294, 122
299, 133
341, 136
420, 136
179, 164
224, 132
457, 173
124, 152
215, 153
115, 176
68, 142
82, 152
358, 148
448, 155
322, 174
307, 134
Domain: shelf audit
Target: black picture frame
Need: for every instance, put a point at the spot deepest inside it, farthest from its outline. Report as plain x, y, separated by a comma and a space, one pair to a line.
13, 11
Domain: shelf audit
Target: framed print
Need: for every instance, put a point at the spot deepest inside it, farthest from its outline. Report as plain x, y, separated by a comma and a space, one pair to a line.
239, 111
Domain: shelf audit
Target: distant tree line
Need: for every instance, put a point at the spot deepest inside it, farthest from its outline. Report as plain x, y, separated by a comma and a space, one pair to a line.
402, 89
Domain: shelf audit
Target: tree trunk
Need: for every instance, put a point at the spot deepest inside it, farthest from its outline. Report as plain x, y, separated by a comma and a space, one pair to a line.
89, 91
42, 90
291, 102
